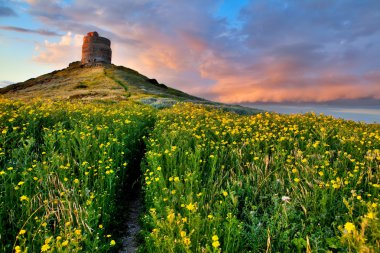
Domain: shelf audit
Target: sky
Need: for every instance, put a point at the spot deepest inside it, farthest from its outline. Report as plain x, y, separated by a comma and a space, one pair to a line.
232, 51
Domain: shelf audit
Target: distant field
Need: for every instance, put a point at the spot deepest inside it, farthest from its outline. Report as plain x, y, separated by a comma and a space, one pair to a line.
213, 181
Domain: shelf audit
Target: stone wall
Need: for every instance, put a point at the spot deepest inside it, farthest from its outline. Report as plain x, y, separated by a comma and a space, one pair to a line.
96, 49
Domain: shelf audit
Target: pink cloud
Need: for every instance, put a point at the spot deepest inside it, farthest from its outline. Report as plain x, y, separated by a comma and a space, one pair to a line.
271, 57
59, 53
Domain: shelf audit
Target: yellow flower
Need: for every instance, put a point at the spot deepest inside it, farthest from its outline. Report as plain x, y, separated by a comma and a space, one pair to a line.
171, 217
100, 226
78, 232
65, 243
215, 238
215, 244
112, 243
190, 207
76, 181
48, 240
336, 186
225, 194
45, 248
22, 231
349, 226
183, 233
186, 241
370, 215
17, 249
297, 180
24, 198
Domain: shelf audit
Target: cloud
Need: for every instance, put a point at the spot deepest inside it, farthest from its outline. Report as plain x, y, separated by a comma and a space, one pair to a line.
67, 50
24, 30
281, 50
6, 11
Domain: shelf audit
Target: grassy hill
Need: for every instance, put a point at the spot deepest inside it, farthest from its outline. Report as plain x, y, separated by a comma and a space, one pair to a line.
75, 167
107, 82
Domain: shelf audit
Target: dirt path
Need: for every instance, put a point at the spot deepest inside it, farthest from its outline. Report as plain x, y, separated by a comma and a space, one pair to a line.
131, 226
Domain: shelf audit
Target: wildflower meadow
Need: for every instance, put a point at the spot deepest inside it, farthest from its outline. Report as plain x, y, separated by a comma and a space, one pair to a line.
212, 181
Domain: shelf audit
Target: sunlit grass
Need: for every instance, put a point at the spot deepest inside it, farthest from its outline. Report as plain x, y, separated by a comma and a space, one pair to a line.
216, 181
213, 181
61, 165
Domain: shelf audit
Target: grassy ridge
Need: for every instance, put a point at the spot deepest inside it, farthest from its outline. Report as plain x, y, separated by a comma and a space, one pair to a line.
61, 165
216, 181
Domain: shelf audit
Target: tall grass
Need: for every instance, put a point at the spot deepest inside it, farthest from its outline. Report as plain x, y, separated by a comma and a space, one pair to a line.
216, 181
61, 165
213, 181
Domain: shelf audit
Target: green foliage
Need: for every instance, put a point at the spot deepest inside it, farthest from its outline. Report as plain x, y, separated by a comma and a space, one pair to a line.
61, 165
260, 183
213, 181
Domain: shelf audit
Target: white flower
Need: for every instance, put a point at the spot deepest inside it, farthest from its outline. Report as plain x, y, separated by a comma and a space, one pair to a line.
285, 199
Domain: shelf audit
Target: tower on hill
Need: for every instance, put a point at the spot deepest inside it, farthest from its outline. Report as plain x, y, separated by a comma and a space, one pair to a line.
96, 50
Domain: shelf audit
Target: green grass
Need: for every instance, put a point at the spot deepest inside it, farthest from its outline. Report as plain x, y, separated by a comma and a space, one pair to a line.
61, 167
216, 181
213, 181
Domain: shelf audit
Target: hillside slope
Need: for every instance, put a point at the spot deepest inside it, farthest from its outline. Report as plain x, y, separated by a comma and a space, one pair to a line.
106, 82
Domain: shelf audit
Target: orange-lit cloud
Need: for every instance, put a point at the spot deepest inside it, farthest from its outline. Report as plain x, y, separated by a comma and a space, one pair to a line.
293, 52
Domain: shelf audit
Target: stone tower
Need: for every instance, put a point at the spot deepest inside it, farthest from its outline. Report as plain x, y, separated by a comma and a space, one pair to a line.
96, 50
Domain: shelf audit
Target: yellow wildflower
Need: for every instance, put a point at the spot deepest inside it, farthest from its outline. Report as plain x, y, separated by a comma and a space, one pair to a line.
215, 244
349, 227
186, 241
24, 198
45, 248
190, 207
171, 217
